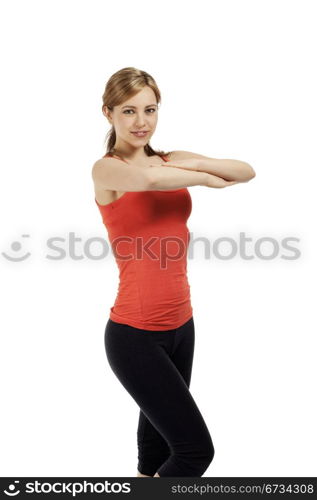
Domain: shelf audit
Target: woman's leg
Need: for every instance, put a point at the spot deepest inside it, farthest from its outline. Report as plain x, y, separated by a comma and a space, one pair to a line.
153, 450
142, 361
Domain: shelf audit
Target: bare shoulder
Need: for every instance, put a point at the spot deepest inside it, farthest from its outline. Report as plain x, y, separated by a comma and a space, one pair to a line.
102, 195
184, 155
102, 165
101, 162
107, 160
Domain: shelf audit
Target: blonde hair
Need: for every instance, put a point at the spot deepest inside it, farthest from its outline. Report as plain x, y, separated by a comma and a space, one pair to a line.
122, 85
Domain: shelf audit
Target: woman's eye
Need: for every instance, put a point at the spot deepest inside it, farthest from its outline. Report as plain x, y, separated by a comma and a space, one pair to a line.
150, 109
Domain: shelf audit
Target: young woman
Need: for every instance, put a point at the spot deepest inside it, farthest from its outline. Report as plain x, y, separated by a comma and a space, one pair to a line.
143, 198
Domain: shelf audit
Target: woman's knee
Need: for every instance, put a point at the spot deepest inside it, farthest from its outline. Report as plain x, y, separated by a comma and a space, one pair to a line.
196, 460
204, 457
209, 456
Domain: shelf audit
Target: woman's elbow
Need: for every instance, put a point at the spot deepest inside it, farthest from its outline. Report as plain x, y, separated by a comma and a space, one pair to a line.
248, 173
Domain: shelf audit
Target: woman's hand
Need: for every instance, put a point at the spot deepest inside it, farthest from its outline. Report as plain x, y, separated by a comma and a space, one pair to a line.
218, 182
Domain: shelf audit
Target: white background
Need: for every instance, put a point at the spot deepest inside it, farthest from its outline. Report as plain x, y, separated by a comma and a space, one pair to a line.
237, 81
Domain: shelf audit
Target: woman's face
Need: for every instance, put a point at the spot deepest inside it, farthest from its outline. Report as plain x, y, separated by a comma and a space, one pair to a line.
135, 114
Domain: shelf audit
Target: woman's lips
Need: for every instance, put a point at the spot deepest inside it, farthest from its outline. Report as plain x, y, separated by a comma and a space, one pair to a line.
139, 134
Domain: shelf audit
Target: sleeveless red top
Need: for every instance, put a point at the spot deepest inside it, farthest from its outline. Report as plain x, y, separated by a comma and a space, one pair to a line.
149, 239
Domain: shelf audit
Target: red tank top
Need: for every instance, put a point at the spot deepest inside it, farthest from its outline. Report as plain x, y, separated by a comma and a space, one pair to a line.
149, 239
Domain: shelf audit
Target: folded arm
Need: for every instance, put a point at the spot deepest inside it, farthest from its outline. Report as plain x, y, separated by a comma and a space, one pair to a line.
113, 174
230, 170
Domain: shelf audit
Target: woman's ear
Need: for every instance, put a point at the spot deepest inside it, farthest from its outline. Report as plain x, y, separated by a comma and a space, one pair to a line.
106, 113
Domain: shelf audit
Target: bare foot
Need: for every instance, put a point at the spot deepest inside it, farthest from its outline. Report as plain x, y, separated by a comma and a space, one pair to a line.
141, 475
156, 475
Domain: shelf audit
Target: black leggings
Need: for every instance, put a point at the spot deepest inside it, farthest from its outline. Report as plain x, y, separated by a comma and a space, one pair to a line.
155, 368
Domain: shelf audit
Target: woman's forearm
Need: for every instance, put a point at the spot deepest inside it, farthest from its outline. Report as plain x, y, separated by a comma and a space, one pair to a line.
165, 178
230, 170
